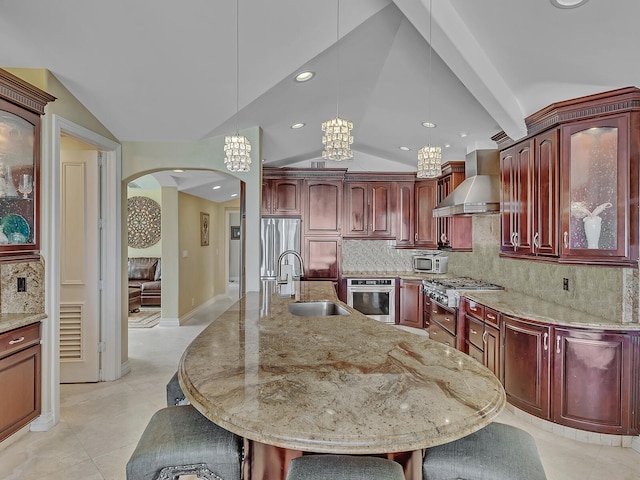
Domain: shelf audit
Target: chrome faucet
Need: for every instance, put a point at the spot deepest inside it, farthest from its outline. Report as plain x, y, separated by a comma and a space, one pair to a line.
284, 254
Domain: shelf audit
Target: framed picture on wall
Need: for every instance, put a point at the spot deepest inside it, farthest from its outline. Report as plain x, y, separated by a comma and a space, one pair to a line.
204, 229
235, 233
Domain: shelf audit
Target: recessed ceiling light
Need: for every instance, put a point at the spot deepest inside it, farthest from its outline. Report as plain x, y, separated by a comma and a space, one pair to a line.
295, 126
178, 170
217, 187
568, 3
429, 125
304, 76
404, 149
447, 145
463, 134
234, 194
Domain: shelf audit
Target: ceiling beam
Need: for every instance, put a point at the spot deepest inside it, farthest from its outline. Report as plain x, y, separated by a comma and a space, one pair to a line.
458, 48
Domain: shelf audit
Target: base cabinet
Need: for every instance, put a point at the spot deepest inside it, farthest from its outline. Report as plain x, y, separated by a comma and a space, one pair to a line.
592, 381
526, 365
20, 377
411, 307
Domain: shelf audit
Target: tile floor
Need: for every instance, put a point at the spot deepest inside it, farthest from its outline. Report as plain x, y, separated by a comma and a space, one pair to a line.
101, 423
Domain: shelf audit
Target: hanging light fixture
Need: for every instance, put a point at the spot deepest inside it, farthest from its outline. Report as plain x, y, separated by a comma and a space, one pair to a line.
337, 137
237, 148
429, 157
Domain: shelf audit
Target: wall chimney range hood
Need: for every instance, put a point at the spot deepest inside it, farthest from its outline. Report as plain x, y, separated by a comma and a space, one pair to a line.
479, 193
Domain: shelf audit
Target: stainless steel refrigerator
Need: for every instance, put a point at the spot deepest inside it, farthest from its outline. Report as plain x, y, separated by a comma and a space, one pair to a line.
276, 236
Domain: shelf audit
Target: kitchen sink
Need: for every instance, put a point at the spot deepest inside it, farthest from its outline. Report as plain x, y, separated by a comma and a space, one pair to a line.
317, 309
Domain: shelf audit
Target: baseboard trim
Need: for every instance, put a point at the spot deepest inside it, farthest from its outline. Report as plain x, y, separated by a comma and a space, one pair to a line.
125, 368
635, 443
189, 315
43, 423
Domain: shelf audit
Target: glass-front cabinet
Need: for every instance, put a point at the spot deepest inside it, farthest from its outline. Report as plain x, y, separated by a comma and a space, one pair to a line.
20, 108
595, 189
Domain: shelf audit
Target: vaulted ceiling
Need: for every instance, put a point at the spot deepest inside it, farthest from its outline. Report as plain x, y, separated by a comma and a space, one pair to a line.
158, 70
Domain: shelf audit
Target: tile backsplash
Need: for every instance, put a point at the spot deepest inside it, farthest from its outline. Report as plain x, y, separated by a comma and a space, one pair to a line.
607, 292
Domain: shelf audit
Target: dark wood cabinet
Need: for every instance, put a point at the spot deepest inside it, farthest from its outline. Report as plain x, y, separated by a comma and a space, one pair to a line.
405, 214
411, 303
454, 233
322, 258
20, 377
323, 207
592, 381
570, 189
526, 365
599, 203
21, 106
443, 325
482, 334
426, 310
281, 197
426, 234
368, 210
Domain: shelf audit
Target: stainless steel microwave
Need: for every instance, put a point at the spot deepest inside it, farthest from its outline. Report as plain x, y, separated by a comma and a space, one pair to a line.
430, 264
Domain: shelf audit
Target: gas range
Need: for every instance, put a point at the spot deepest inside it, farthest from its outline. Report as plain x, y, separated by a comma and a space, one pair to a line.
447, 291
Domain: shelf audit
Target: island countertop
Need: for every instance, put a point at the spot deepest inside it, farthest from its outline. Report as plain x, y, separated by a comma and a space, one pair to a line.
338, 384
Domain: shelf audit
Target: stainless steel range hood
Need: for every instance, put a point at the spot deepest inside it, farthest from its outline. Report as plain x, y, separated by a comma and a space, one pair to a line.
480, 192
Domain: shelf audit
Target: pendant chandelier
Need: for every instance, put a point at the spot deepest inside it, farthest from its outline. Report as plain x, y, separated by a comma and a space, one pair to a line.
237, 148
337, 138
429, 157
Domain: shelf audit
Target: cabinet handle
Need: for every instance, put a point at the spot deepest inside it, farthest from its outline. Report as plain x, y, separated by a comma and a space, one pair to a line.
565, 237
536, 243
491, 316
558, 344
512, 241
434, 311
515, 241
443, 238
474, 332
484, 337
18, 340
433, 333
447, 319
415, 236
544, 341
473, 309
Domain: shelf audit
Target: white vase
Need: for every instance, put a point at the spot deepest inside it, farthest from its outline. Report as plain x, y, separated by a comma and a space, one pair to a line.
592, 226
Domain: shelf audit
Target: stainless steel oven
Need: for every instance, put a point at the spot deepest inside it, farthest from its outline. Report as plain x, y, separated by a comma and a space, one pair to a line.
374, 297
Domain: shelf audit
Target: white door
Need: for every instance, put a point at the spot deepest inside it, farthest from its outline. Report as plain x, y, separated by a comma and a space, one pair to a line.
79, 263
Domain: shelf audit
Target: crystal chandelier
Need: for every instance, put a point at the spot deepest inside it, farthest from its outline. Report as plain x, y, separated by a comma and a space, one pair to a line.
337, 138
429, 157
429, 162
237, 148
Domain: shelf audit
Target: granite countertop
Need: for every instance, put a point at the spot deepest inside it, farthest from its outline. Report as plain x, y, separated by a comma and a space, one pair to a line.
410, 275
335, 384
531, 308
11, 321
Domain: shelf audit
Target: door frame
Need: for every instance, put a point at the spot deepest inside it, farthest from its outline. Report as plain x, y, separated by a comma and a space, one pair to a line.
110, 311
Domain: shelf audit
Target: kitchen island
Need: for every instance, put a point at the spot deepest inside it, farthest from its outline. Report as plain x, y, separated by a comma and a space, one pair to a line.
332, 384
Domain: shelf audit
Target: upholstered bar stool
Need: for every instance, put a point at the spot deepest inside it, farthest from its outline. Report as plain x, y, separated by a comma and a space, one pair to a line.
496, 452
181, 441
343, 467
175, 395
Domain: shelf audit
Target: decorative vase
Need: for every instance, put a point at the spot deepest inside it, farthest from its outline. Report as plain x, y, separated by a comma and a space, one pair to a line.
592, 227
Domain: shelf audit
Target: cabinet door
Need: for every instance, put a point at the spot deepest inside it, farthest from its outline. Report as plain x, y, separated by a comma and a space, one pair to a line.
426, 226
454, 233
440, 334
595, 190
322, 258
285, 194
546, 195
411, 303
592, 379
266, 197
526, 366
516, 167
356, 216
380, 210
491, 357
405, 213
20, 377
323, 207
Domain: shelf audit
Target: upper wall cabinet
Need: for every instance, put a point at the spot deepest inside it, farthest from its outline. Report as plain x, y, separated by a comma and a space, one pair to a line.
570, 189
281, 197
454, 233
21, 106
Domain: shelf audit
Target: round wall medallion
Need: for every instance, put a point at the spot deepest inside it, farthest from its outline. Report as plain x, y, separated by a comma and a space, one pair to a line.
143, 220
